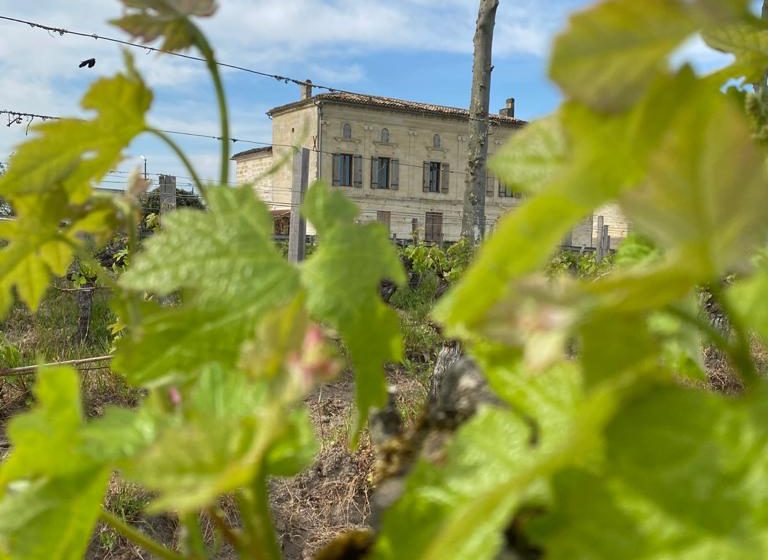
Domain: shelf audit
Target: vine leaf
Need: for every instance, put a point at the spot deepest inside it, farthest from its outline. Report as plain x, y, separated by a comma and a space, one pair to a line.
748, 42
168, 19
232, 274
49, 507
342, 280
530, 233
532, 157
611, 53
52, 519
227, 426
705, 193
49, 184
438, 495
749, 298
78, 153
684, 477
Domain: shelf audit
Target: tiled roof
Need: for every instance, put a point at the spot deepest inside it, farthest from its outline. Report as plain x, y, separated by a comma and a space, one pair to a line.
252, 151
392, 104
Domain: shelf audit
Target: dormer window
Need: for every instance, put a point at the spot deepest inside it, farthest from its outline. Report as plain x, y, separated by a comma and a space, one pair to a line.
436, 143
346, 131
385, 135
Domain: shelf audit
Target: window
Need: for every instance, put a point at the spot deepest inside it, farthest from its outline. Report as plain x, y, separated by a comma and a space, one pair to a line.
347, 170
385, 135
346, 131
384, 217
433, 227
504, 192
436, 177
489, 186
385, 173
436, 142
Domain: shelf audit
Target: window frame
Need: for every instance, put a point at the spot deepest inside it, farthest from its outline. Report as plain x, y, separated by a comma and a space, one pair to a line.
435, 177
383, 167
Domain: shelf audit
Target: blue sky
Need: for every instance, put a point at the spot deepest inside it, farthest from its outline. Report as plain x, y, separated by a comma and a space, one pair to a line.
410, 49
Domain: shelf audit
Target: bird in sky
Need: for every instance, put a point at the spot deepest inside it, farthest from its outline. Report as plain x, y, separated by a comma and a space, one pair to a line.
90, 63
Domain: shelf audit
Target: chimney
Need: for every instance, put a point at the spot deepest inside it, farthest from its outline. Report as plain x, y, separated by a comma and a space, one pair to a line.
306, 89
509, 109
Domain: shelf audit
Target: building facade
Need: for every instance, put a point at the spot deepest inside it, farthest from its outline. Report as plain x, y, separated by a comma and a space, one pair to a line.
403, 163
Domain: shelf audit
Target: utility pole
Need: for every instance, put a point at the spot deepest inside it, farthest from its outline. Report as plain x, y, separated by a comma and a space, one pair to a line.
297, 234
473, 215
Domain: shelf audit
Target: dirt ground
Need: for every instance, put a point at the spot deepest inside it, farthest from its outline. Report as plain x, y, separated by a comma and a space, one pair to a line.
332, 496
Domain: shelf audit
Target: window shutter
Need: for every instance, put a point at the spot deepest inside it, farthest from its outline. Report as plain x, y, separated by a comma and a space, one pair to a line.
357, 171
394, 173
374, 172
336, 175
489, 186
444, 178
425, 183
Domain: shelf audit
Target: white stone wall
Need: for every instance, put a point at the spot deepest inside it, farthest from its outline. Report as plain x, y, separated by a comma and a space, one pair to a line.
254, 169
411, 143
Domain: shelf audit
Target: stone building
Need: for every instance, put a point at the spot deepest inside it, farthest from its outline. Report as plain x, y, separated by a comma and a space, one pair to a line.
402, 162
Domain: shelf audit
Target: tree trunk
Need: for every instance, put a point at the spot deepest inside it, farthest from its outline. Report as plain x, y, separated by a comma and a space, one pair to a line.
473, 217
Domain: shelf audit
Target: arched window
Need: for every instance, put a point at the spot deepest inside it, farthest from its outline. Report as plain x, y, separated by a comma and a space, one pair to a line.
346, 131
436, 141
385, 135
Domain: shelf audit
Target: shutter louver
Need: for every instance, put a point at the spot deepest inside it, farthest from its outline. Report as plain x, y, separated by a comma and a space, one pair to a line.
445, 177
336, 170
357, 171
425, 183
394, 172
374, 172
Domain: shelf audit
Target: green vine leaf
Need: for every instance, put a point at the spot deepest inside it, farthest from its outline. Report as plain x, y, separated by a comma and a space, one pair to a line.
748, 42
530, 233
231, 276
696, 201
611, 53
342, 279
79, 153
169, 19
54, 199
49, 507
52, 519
683, 478
442, 496
532, 157
226, 427
749, 298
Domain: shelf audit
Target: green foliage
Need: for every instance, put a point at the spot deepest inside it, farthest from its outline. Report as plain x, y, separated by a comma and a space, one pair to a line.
342, 281
48, 508
582, 265
233, 275
448, 263
596, 432
167, 19
54, 203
